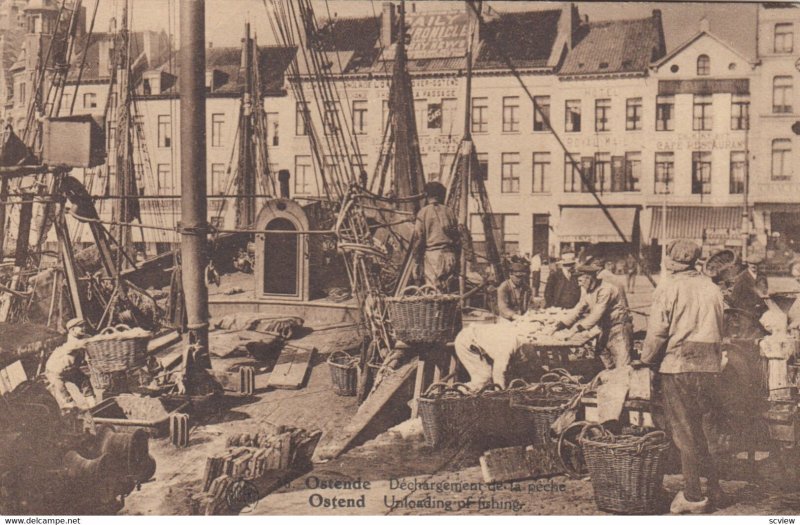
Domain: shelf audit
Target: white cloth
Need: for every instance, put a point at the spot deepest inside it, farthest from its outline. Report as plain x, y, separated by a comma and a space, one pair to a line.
485, 351
536, 263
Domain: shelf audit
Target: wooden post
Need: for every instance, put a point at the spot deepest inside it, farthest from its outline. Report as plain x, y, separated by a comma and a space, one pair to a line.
194, 210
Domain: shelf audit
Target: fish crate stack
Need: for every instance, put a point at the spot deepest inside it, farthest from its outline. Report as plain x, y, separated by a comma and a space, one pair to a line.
265, 458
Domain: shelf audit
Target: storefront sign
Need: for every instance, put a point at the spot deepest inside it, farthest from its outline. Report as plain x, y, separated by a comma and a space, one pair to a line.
437, 35
705, 86
434, 116
702, 142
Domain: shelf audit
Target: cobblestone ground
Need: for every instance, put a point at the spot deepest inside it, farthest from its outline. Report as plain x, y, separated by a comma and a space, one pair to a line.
404, 475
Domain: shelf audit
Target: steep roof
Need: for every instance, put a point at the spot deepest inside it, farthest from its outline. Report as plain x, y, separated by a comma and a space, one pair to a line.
526, 38
615, 46
102, 42
225, 62
694, 39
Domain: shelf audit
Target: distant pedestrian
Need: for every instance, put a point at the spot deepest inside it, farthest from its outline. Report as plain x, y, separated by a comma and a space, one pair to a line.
536, 273
631, 269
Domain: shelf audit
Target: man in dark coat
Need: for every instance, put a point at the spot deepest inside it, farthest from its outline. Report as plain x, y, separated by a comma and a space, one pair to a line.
750, 289
562, 289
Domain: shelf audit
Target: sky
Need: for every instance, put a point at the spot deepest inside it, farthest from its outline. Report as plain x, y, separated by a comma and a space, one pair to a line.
225, 18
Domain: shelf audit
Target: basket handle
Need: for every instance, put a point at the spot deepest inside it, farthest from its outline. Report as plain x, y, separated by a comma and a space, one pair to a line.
552, 376
558, 388
490, 387
592, 427
420, 291
410, 290
122, 328
342, 352
461, 388
436, 389
518, 383
656, 434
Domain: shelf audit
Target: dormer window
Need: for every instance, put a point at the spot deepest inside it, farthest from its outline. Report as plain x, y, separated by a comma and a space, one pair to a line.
703, 66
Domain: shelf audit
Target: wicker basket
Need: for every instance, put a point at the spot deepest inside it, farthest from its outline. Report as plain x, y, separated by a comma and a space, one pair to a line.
114, 350
536, 408
448, 414
422, 315
116, 381
344, 373
627, 471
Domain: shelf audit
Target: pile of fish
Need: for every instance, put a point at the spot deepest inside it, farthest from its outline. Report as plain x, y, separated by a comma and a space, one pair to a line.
539, 327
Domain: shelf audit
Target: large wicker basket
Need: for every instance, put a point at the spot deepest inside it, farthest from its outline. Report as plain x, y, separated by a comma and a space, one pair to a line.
536, 408
448, 414
627, 471
344, 373
118, 348
422, 315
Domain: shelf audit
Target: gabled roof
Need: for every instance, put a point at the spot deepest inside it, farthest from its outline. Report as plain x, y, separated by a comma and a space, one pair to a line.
614, 47
358, 36
526, 38
102, 42
273, 61
675, 52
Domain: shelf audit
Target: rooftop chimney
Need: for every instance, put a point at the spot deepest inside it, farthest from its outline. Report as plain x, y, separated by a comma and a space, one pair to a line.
704, 24
388, 23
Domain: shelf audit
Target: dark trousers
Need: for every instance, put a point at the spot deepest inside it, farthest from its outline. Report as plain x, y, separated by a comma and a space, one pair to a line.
536, 281
688, 397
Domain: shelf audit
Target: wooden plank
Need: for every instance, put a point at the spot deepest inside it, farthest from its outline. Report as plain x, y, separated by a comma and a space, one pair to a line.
292, 368
389, 386
161, 342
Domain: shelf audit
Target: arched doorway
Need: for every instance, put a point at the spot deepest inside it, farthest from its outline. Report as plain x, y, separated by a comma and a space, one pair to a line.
280, 259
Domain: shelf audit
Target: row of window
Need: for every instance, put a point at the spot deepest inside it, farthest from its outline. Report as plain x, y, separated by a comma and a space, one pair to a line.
573, 121
606, 173
602, 172
443, 115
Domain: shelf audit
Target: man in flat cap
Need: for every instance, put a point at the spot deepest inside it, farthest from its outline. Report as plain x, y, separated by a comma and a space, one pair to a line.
514, 294
603, 305
438, 240
684, 335
750, 288
63, 365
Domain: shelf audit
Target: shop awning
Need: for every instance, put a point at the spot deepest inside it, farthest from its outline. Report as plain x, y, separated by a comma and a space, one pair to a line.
697, 222
590, 224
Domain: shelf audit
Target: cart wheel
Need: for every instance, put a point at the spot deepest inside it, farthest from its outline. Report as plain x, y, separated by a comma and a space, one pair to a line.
569, 451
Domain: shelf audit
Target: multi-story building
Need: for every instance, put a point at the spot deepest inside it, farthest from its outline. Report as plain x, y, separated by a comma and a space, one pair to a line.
560, 106
775, 181
12, 31
700, 143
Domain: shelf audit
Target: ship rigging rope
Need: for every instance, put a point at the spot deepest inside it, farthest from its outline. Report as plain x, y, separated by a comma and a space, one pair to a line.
86, 46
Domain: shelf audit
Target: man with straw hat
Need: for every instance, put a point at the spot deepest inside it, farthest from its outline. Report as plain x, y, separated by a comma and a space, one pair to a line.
605, 306
684, 340
562, 289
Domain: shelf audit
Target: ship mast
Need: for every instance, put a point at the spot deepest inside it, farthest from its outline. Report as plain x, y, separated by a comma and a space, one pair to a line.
194, 214
246, 181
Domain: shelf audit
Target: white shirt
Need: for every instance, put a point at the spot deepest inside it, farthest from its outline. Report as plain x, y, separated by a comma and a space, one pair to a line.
536, 263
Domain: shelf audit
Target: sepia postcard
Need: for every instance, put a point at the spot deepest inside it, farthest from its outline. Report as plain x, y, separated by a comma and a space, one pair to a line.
398, 258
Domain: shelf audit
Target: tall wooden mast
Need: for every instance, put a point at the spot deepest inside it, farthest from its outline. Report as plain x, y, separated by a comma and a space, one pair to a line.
194, 210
